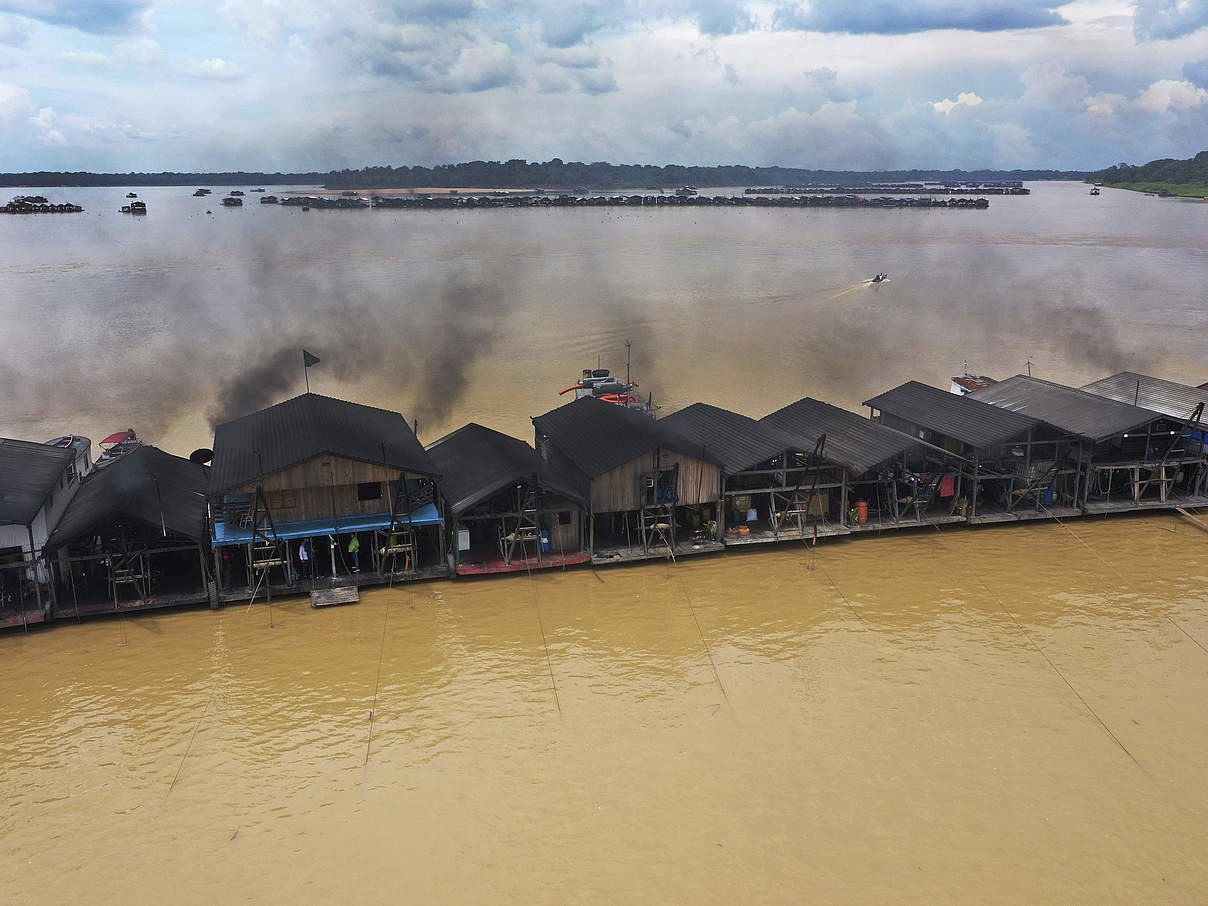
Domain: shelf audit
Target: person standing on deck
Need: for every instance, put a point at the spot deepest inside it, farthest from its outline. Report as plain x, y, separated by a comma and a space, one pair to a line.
304, 559
354, 548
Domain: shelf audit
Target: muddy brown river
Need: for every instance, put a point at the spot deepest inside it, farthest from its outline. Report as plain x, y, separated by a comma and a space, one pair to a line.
994, 715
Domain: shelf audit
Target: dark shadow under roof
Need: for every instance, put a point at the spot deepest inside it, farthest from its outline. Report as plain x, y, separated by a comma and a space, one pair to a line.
738, 441
28, 472
953, 415
478, 462
147, 485
598, 436
307, 426
1073, 411
852, 441
1158, 395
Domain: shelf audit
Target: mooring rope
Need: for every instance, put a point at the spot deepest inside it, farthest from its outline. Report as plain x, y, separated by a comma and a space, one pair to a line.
549, 663
1122, 577
699, 632
1019, 626
377, 682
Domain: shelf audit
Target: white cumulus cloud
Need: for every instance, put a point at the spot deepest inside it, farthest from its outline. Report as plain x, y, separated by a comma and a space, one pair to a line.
964, 99
1169, 94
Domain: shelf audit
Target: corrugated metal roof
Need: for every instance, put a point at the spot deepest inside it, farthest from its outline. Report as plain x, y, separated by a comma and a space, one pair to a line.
1156, 394
147, 485
953, 415
478, 462
307, 426
598, 436
852, 441
1073, 411
28, 472
738, 441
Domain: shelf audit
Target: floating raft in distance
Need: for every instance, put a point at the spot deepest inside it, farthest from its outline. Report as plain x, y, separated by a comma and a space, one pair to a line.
330, 597
501, 200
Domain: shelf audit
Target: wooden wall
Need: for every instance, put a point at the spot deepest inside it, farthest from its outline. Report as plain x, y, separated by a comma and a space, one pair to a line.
304, 492
622, 488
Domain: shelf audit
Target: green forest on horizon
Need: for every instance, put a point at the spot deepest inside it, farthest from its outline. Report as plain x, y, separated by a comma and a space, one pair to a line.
518, 173
1176, 177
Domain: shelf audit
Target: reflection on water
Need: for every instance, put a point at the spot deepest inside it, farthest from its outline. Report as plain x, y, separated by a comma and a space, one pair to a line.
159, 322
884, 729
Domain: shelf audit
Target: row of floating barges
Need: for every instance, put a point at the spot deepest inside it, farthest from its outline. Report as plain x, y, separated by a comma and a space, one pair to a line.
38, 204
462, 202
996, 188
323, 496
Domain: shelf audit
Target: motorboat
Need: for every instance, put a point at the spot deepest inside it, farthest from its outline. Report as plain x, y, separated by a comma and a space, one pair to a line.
881, 277
115, 446
600, 383
1094, 190
201, 193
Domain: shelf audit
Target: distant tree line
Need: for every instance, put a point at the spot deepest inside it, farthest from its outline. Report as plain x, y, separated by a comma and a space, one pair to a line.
1165, 170
520, 174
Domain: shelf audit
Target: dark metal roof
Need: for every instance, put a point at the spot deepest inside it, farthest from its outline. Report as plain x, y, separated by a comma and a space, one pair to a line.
598, 436
737, 441
953, 415
308, 426
28, 472
852, 441
147, 485
1156, 394
1073, 411
478, 462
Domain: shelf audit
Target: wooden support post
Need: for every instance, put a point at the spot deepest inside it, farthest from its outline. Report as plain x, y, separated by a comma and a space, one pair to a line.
976, 483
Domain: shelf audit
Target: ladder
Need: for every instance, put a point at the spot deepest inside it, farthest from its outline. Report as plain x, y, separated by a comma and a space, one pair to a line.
789, 505
265, 549
527, 529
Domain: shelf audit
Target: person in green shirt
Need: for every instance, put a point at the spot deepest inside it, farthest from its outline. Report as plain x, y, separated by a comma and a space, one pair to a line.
354, 548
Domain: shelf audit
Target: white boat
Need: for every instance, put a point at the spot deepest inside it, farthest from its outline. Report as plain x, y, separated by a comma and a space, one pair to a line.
115, 446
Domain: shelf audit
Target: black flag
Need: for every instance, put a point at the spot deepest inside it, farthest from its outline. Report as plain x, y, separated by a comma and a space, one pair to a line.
309, 359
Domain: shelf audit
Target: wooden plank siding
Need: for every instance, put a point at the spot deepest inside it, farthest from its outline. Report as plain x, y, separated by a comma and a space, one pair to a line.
304, 492
622, 488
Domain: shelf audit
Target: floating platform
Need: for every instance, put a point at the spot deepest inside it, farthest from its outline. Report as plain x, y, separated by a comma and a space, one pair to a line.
613, 555
523, 565
331, 597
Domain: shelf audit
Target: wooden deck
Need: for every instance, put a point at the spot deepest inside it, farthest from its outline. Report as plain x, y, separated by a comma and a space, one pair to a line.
767, 536
14, 620
888, 524
612, 555
999, 515
529, 564
1131, 506
360, 580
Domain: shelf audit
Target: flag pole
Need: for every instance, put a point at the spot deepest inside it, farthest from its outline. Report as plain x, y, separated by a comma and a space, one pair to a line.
305, 371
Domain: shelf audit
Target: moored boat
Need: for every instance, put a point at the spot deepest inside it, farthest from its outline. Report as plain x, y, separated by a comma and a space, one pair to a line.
115, 446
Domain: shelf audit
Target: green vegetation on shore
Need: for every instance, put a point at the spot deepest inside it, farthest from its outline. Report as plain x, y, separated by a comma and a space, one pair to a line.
1174, 177
521, 174
1188, 189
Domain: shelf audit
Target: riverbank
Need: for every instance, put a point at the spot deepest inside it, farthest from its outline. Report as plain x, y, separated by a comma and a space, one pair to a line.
1181, 190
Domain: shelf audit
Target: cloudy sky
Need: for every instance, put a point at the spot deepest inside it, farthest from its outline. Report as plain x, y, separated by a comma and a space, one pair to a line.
852, 84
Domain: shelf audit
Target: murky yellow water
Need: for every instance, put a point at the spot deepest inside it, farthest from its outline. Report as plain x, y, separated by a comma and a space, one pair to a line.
886, 722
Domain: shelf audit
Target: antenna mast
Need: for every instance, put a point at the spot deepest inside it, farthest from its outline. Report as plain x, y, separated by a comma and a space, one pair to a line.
627, 381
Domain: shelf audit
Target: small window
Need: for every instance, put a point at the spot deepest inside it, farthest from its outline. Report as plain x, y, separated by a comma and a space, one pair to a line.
369, 490
564, 517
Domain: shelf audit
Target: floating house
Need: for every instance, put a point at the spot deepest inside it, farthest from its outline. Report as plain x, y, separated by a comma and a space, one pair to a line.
293, 484
776, 486
1179, 401
133, 537
505, 515
889, 479
1012, 466
1127, 457
651, 492
37, 481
